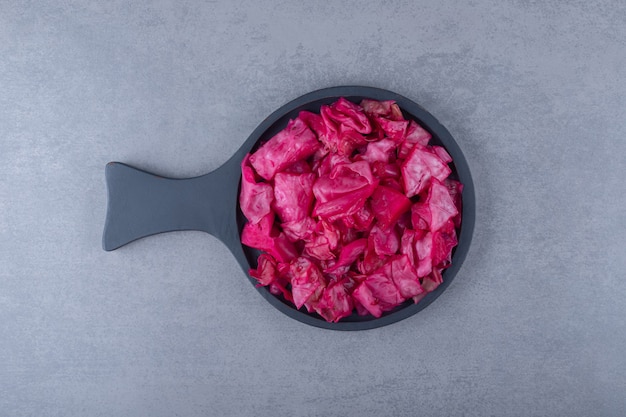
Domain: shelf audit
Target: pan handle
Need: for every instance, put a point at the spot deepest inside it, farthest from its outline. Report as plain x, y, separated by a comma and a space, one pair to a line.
141, 204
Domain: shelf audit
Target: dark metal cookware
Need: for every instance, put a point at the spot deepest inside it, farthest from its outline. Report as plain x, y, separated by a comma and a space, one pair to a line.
142, 204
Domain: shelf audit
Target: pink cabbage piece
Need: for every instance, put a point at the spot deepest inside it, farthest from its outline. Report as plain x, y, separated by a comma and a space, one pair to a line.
344, 191
424, 254
394, 129
315, 122
455, 188
442, 154
346, 205
257, 235
403, 275
255, 198
378, 293
407, 245
361, 220
432, 281
300, 167
343, 179
292, 144
381, 150
348, 141
307, 281
371, 259
384, 240
343, 126
324, 242
349, 254
440, 204
388, 109
386, 171
420, 215
299, 229
404, 221
279, 287
293, 195
388, 119
415, 135
392, 183
266, 272
444, 241
346, 233
421, 165
366, 300
335, 303
264, 236
348, 115
420, 297
388, 205
432, 248
325, 166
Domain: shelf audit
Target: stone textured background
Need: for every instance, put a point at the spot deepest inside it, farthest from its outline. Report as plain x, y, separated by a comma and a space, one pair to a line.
534, 323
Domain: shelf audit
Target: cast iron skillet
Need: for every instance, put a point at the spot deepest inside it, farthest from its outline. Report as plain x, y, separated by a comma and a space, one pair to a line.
142, 204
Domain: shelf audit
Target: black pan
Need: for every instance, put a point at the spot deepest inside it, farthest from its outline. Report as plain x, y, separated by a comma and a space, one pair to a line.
141, 204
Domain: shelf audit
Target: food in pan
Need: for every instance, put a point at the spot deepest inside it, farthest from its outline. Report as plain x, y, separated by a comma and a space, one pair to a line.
352, 208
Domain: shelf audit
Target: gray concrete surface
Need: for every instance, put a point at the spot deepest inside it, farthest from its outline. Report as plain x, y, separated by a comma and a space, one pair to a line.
534, 324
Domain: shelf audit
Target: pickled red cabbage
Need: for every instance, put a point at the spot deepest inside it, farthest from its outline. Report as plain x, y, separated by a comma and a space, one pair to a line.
354, 210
